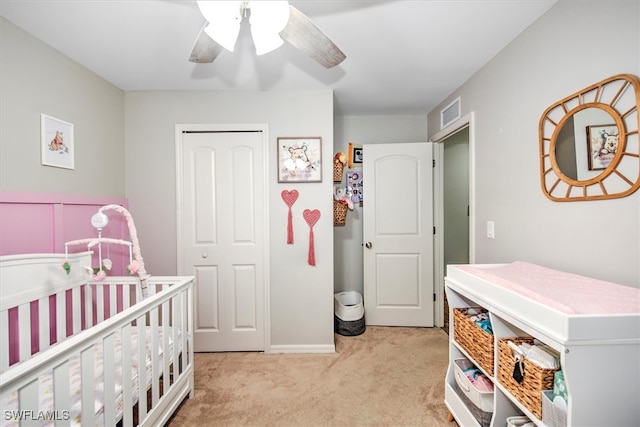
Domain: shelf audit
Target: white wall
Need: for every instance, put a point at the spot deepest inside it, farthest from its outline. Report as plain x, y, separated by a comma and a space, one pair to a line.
365, 130
36, 79
301, 295
574, 45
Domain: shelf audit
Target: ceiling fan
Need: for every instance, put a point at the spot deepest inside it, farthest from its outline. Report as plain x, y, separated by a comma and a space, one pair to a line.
271, 22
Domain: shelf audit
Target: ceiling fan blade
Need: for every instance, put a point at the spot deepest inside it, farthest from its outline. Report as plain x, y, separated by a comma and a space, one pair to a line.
205, 50
302, 33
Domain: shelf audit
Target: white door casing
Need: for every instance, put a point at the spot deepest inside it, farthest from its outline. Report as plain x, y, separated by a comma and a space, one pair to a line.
440, 268
398, 234
222, 233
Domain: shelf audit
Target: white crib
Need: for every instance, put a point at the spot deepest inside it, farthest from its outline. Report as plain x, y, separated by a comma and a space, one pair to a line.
76, 352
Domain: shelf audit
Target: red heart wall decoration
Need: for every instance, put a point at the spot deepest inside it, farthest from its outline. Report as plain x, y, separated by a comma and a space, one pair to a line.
311, 216
289, 198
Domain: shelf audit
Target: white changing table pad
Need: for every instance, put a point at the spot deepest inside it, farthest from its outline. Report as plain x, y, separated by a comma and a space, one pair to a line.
566, 307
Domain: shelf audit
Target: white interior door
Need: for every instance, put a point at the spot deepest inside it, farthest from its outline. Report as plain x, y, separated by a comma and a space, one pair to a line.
398, 234
223, 237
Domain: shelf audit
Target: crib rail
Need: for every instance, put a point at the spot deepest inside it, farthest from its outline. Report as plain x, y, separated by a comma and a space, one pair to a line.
41, 304
35, 292
162, 321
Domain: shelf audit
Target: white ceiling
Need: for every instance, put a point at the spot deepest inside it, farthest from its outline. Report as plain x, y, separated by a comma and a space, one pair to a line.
403, 57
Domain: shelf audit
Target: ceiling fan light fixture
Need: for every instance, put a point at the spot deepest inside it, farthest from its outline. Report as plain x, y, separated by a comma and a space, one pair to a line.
266, 42
272, 23
224, 19
267, 19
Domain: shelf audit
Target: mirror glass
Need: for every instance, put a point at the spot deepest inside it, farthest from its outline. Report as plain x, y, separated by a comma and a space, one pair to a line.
586, 144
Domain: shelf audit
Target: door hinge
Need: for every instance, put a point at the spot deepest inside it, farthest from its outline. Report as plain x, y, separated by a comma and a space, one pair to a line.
434, 231
434, 297
434, 162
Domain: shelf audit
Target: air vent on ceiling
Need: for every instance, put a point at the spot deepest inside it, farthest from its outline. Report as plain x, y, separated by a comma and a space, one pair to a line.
450, 113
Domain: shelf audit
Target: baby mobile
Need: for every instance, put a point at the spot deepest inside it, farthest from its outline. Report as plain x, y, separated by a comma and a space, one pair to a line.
136, 263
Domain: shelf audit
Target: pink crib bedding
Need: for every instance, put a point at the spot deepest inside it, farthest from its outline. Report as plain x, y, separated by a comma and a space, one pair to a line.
45, 383
566, 292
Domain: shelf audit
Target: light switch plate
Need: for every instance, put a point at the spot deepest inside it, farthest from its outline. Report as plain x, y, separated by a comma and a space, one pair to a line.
491, 233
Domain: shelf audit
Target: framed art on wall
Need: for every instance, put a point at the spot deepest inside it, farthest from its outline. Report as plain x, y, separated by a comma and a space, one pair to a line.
300, 159
602, 145
355, 155
56, 142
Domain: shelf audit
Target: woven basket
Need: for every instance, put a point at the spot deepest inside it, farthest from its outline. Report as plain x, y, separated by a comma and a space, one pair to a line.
473, 339
337, 171
339, 213
535, 381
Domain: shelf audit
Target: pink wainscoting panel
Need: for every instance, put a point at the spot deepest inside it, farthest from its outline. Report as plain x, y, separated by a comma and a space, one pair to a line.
43, 222
26, 228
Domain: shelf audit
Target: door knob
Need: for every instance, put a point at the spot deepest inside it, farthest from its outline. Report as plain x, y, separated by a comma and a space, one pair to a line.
204, 255
368, 245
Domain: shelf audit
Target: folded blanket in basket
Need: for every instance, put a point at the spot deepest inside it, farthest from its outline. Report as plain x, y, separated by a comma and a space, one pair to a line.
540, 354
481, 319
479, 380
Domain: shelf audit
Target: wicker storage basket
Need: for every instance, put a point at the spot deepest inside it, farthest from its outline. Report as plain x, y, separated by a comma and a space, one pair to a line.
339, 213
473, 339
337, 171
535, 379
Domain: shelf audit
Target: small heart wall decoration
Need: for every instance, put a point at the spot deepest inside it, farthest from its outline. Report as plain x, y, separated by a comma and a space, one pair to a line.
312, 217
289, 198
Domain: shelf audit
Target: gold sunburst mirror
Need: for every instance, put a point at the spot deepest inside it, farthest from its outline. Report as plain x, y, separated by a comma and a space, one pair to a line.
589, 142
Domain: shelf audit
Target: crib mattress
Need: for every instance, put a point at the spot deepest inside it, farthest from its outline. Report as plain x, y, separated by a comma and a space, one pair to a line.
45, 383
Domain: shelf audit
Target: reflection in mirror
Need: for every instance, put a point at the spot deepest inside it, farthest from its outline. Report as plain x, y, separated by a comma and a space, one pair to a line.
585, 146
566, 150
602, 143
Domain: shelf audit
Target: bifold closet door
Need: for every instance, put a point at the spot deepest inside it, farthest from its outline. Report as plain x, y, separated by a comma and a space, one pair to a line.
222, 215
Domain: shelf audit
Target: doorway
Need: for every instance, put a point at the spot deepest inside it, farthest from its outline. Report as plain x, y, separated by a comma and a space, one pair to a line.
454, 201
456, 197
223, 233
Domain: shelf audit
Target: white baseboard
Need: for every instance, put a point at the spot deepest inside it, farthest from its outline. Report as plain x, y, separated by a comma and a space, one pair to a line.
303, 348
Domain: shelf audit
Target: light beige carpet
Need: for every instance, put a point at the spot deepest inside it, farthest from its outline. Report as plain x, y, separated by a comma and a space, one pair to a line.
385, 377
